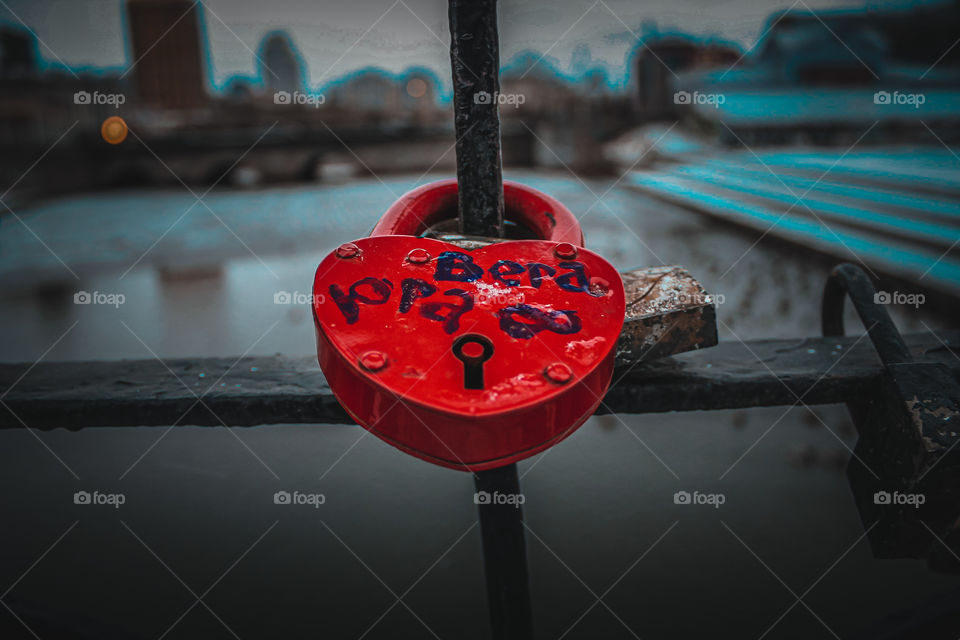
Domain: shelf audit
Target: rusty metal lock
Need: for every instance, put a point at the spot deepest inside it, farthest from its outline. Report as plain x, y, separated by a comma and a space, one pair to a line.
470, 358
905, 473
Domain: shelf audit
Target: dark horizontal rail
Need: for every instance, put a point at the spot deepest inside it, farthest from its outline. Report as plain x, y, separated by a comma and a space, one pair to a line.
282, 390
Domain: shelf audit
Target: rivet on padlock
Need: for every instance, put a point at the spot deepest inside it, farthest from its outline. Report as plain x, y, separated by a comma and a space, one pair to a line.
498, 349
565, 250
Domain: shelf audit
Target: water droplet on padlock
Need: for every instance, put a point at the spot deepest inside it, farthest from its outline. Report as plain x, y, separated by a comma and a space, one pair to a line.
558, 372
348, 250
373, 360
598, 287
418, 256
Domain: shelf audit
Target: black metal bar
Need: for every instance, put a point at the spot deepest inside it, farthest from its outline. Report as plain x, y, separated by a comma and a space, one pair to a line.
475, 58
907, 434
264, 390
850, 279
504, 553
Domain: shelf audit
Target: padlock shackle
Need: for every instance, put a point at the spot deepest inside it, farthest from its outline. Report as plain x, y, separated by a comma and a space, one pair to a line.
848, 279
419, 209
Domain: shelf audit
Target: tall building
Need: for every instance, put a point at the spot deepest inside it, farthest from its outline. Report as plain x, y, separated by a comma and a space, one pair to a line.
280, 66
18, 53
167, 53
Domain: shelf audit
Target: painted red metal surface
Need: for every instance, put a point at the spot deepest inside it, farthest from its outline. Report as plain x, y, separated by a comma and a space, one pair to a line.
405, 323
416, 210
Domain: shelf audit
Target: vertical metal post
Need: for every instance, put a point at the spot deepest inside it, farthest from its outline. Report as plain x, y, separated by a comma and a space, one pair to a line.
475, 58
505, 556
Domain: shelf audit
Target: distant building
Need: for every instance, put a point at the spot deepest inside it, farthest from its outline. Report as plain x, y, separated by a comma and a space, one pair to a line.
38, 105
855, 46
661, 58
825, 77
370, 91
18, 53
238, 89
544, 91
280, 67
799, 49
167, 53
852, 48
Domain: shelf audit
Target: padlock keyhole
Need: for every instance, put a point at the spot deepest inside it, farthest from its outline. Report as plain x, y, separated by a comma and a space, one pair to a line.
472, 350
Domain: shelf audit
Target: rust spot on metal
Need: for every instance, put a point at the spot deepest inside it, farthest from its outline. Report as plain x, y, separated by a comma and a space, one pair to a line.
668, 312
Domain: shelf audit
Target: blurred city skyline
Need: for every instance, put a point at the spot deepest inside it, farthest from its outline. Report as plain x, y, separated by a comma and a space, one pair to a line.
814, 75
338, 41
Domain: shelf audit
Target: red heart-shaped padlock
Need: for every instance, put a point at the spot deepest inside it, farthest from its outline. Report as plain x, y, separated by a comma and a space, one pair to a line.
468, 359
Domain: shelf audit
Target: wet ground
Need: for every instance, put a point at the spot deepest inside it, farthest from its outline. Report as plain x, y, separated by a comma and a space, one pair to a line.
199, 278
599, 507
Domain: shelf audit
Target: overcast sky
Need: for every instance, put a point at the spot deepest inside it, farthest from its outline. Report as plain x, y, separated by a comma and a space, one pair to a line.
339, 36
